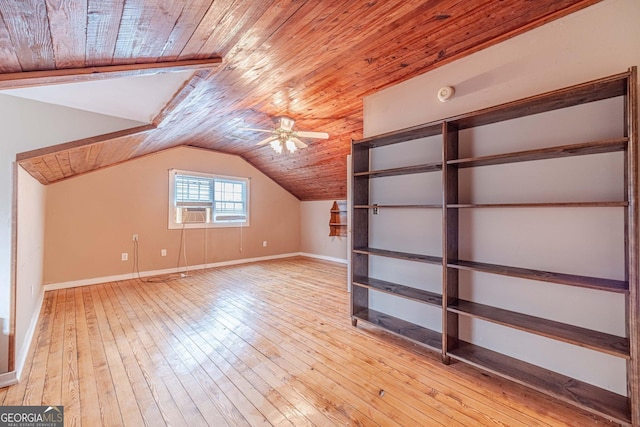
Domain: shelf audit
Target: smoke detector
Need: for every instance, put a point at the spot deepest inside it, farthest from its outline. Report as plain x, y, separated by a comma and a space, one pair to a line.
445, 93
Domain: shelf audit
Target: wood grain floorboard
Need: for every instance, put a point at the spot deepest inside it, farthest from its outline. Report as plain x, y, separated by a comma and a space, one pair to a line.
122, 331
372, 347
332, 357
254, 356
319, 317
32, 378
233, 394
295, 358
180, 367
70, 376
340, 353
90, 408
108, 403
157, 375
322, 360
260, 344
121, 382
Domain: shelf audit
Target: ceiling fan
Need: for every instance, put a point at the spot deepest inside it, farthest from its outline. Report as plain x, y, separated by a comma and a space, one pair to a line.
284, 136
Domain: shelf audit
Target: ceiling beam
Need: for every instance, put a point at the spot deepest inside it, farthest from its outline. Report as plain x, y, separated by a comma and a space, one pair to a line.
74, 75
26, 155
180, 95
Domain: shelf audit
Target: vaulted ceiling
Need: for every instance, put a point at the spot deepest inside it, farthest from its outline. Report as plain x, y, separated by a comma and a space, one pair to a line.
311, 60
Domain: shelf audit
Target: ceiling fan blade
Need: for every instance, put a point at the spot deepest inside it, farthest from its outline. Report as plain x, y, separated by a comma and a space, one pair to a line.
267, 140
297, 142
318, 135
259, 130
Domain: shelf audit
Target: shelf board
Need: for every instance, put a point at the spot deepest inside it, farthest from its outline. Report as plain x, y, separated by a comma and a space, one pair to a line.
609, 285
399, 255
595, 340
405, 170
415, 333
595, 90
408, 134
399, 290
595, 147
621, 204
398, 206
586, 396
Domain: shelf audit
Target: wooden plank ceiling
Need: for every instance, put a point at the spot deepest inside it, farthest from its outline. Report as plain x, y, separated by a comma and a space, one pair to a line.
310, 60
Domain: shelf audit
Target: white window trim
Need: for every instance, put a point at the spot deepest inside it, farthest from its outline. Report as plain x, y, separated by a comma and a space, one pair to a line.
171, 206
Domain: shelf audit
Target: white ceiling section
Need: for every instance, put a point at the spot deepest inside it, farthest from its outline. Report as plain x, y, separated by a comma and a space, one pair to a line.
138, 98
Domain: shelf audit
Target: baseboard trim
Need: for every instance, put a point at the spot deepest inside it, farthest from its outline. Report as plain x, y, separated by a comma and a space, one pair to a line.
7, 379
324, 257
129, 276
21, 357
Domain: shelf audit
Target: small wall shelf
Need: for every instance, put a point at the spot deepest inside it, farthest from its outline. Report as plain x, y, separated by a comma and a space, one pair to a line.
338, 220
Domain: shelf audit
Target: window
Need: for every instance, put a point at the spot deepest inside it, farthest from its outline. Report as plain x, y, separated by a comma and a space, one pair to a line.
198, 200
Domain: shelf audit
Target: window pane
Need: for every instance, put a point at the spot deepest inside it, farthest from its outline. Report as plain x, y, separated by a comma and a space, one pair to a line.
230, 197
193, 189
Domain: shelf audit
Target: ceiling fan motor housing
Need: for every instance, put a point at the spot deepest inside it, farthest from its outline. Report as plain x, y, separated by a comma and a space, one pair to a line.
286, 123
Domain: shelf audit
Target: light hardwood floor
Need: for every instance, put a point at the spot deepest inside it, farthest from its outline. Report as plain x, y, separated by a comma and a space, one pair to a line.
268, 343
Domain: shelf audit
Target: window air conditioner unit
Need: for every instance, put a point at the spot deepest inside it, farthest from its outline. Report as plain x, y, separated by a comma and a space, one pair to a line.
193, 215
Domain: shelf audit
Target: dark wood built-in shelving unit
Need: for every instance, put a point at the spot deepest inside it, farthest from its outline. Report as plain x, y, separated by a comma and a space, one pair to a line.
613, 406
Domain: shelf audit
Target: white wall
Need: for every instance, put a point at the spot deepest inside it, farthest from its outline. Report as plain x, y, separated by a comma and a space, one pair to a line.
314, 231
29, 269
29, 125
598, 41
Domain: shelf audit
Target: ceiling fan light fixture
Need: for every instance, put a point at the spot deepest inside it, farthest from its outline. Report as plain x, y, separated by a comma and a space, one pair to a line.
291, 146
277, 146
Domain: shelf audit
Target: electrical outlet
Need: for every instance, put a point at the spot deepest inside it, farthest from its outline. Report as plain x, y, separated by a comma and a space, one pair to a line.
135, 237
125, 256
264, 243
163, 252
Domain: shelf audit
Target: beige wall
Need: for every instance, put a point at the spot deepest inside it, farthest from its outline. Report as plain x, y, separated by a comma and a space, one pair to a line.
90, 219
314, 233
30, 251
